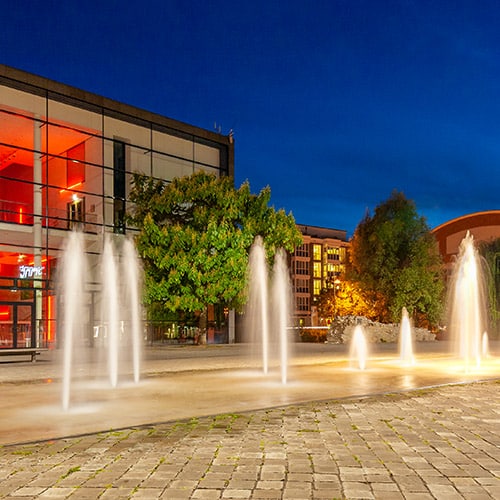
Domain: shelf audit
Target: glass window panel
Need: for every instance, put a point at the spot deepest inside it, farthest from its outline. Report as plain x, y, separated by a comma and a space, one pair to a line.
56, 201
75, 165
167, 167
127, 132
58, 210
317, 269
16, 138
93, 179
56, 170
165, 143
206, 154
73, 117
60, 139
93, 150
317, 252
16, 197
208, 170
139, 160
6, 325
17, 99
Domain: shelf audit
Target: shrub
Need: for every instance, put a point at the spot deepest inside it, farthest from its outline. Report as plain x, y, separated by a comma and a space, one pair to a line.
317, 335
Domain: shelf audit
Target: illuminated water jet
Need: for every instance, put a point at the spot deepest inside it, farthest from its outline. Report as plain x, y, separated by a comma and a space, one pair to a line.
406, 340
73, 286
267, 328
118, 330
467, 305
358, 351
281, 299
257, 323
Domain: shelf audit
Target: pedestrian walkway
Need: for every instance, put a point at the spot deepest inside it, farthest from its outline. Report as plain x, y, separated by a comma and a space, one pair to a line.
437, 442
440, 443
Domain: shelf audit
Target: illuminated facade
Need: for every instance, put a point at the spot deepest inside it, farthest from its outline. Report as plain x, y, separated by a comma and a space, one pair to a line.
66, 159
314, 266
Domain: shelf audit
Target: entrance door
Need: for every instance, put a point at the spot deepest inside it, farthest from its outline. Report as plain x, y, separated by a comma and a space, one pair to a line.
16, 324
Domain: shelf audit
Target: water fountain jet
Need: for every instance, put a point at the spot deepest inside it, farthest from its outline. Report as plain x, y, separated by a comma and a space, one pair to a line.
265, 328
73, 285
468, 304
281, 288
405, 340
120, 323
358, 350
257, 314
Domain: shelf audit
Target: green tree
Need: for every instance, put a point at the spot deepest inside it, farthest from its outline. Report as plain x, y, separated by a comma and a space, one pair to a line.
490, 251
194, 238
394, 253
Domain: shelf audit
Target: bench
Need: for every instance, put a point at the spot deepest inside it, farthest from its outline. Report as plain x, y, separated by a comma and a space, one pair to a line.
26, 351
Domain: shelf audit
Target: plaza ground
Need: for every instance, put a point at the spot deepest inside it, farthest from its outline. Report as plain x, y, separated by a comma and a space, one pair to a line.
204, 422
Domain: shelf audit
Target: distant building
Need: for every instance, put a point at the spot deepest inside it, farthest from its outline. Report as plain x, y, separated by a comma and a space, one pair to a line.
314, 266
66, 160
484, 226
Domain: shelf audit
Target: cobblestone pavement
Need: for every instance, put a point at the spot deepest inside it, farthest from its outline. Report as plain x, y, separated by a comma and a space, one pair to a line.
438, 443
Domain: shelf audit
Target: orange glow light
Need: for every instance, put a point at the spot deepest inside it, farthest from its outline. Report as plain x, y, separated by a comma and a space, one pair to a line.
20, 215
32, 262
70, 187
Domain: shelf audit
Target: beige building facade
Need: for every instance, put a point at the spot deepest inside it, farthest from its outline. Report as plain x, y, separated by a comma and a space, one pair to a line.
314, 266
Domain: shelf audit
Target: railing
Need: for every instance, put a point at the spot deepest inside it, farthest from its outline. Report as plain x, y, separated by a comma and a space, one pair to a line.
159, 332
22, 213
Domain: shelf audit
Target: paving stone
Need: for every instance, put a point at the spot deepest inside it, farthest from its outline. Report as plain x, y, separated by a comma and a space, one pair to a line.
414, 446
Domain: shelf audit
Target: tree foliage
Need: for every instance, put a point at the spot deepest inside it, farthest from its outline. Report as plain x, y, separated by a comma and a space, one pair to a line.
346, 298
490, 252
394, 254
195, 234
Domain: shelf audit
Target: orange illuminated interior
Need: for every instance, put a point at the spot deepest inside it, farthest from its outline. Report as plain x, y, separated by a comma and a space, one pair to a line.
63, 167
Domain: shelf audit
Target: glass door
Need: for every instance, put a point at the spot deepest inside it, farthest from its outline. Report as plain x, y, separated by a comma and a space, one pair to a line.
16, 325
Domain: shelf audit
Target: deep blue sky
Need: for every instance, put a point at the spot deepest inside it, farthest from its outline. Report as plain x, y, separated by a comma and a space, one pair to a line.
334, 104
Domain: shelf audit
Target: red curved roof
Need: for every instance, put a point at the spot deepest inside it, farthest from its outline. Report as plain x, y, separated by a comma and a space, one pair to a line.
487, 218
484, 226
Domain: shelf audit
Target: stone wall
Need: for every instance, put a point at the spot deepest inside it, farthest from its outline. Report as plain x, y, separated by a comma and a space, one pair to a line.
342, 329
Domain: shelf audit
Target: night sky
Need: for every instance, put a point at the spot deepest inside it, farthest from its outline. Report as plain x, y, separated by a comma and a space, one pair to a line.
333, 104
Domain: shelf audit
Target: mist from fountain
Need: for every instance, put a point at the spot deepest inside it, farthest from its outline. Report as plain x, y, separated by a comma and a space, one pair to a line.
358, 349
119, 325
467, 304
406, 340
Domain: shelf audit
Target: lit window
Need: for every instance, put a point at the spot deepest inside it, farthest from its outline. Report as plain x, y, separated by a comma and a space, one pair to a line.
317, 252
317, 269
76, 212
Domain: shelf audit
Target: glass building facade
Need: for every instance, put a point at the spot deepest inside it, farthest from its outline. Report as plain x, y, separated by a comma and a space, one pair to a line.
66, 161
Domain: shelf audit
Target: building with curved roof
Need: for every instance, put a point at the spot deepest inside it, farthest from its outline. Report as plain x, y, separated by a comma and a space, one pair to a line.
484, 226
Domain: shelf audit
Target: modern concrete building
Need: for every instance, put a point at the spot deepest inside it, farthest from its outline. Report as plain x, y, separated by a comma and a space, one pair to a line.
314, 266
66, 159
